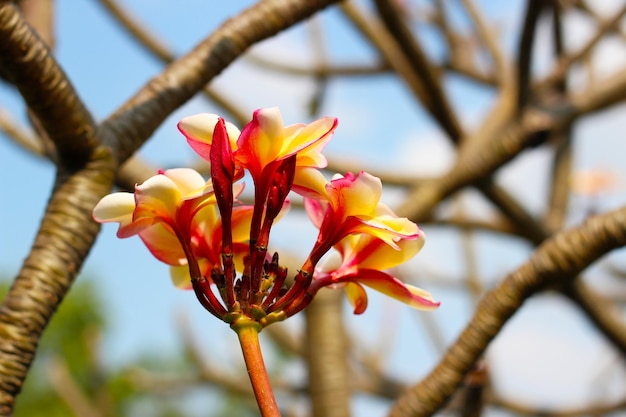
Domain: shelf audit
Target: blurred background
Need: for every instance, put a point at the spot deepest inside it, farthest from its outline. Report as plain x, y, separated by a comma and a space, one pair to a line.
127, 343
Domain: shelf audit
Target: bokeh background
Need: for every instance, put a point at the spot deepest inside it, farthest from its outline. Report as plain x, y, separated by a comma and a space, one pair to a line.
126, 336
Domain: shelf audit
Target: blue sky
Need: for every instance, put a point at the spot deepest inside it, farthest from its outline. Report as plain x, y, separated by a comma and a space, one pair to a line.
380, 124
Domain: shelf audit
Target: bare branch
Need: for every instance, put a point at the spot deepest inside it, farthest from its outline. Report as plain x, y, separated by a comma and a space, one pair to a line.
20, 135
159, 50
317, 70
477, 161
40, 15
565, 62
137, 119
26, 62
329, 375
441, 109
488, 39
557, 261
600, 310
525, 50
601, 95
373, 30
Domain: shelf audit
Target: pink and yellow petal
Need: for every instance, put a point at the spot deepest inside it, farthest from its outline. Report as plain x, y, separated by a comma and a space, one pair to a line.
357, 297
241, 218
372, 253
180, 274
157, 197
355, 195
260, 141
390, 237
116, 207
198, 129
393, 287
309, 138
180, 277
316, 210
309, 182
188, 181
162, 242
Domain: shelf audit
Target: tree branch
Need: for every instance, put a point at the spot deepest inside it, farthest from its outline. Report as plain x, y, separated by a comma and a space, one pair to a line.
557, 261
26, 62
139, 117
524, 59
329, 374
160, 51
441, 109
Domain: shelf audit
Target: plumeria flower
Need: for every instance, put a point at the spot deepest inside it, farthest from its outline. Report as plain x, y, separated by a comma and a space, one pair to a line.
363, 261
264, 141
351, 204
219, 247
170, 208
369, 236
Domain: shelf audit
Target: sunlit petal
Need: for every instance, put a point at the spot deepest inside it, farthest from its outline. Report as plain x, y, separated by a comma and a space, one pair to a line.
162, 242
261, 140
357, 296
308, 141
309, 182
158, 197
188, 181
393, 287
198, 129
316, 209
372, 253
116, 207
242, 216
180, 277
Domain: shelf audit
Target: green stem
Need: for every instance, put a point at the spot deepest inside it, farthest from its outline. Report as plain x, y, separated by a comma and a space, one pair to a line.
248, 333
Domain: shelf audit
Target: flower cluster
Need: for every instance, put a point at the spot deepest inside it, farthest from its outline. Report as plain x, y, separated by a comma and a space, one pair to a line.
218, 246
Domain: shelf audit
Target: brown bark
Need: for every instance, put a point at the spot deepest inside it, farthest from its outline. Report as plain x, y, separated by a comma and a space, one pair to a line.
556, 262
327, 346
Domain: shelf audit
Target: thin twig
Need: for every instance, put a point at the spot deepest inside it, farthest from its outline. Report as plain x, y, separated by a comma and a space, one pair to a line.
134, 122
162, 52
441, 110
489, 40
525, 51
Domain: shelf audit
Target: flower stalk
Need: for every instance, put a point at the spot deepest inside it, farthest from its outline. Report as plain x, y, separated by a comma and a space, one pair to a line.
248, 334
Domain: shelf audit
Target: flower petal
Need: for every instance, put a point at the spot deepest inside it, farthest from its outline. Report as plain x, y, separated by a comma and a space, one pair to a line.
372, 253
357, 296
163, 244
116, 207
189, 181
157, 197
180, 277
316, 209
308, 141
355, 194
309, 182
260, 141
198, 129
393, 287
242, 216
